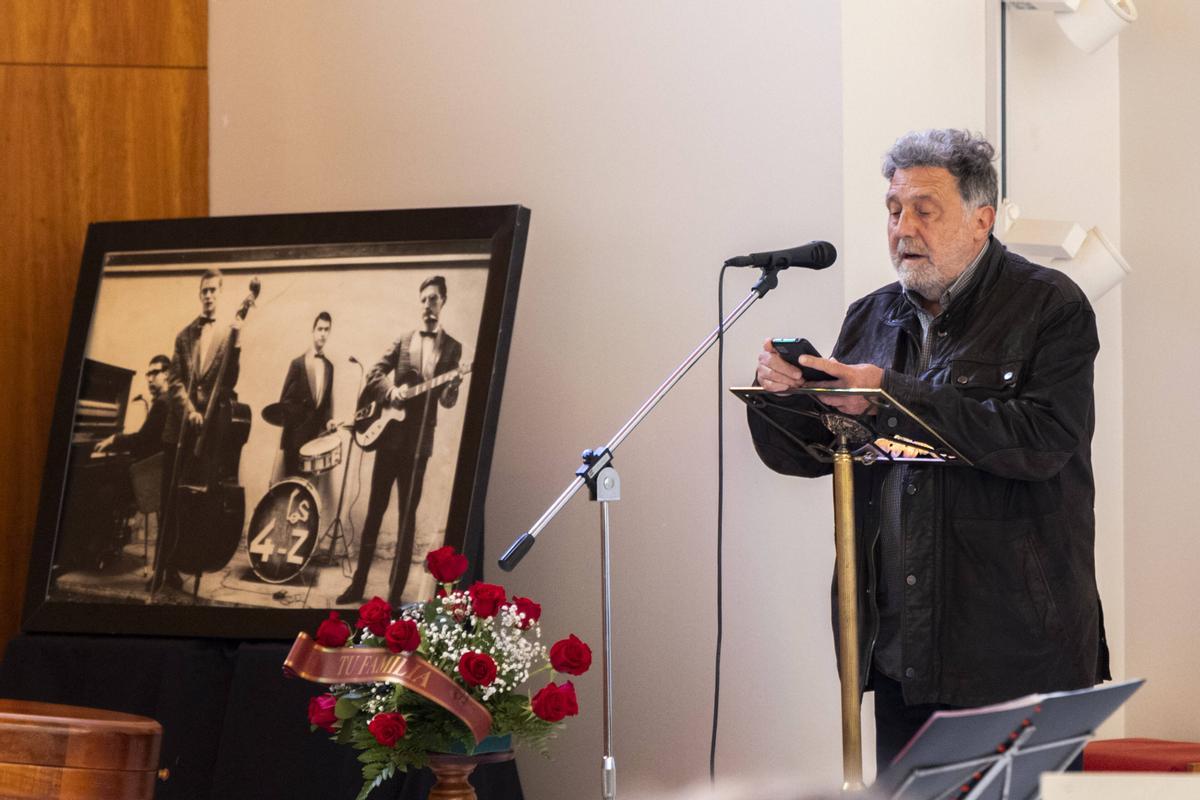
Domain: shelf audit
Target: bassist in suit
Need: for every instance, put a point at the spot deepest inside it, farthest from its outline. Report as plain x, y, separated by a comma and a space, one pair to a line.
195, 364
309, 388
405, 446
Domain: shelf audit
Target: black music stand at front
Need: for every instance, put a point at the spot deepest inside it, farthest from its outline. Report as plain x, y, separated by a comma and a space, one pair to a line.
999, 752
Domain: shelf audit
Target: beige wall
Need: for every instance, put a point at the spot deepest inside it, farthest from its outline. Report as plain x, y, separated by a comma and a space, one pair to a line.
888, 49
1160, 177
651, 143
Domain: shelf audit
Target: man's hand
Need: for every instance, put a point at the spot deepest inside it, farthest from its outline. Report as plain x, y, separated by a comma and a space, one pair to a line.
774, 374
103, 444
195, 419
849, 376
396, 396
331, 425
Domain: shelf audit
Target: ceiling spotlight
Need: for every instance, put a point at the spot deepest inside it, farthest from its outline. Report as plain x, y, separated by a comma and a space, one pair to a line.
1087, 23
1086, 256
1097, 267
1096, 21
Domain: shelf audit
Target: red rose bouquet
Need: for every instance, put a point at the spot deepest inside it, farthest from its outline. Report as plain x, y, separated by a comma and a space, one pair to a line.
438, 677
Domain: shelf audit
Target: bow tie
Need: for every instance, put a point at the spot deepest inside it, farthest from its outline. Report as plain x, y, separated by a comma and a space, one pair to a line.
202, 321
427, 333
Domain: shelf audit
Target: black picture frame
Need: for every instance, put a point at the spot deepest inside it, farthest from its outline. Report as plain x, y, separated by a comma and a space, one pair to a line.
129, 283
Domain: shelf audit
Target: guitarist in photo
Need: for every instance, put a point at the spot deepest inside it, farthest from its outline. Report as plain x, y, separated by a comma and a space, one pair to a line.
402, 447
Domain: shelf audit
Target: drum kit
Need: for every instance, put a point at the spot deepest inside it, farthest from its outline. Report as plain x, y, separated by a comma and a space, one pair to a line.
285, 532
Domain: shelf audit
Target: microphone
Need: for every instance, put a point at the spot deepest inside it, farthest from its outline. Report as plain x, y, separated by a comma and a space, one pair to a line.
354, 360
814, 255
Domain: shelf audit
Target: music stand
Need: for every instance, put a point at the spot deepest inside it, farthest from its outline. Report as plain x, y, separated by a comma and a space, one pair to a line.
891, 434
999, 752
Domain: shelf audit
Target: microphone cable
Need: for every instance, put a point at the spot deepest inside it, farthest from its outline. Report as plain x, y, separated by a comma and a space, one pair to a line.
712, 747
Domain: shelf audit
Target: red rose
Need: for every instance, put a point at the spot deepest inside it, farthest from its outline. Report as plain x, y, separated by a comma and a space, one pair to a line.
387, 727
402, 636
477, 669
333, 632
320, 712
531, 610
554, 702
446, 565
486, 598
374, 615
571, 656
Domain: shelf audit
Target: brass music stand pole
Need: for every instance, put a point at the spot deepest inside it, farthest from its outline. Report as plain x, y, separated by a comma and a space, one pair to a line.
847, 594
869, 446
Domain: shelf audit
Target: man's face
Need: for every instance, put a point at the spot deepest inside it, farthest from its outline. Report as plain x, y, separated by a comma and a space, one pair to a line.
431, 306
156, 378
932, 235
320, 334
210, 290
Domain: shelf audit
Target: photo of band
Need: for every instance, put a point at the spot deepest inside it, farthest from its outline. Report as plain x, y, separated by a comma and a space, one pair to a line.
272, 428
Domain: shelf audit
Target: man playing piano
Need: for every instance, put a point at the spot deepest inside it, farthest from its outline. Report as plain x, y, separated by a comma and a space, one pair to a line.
148, 439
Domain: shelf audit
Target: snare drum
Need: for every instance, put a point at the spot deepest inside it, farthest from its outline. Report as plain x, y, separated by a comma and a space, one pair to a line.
284, 530
321, 454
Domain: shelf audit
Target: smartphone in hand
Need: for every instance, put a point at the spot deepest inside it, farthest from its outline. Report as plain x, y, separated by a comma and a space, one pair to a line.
790, 351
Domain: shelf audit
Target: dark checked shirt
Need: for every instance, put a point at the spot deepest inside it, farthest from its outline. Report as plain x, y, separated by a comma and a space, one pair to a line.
890, 594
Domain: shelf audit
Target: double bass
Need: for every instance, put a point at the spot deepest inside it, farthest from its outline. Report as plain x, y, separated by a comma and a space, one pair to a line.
207, 505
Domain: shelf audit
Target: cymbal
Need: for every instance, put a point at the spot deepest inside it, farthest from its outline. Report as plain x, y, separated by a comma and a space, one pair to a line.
282, 413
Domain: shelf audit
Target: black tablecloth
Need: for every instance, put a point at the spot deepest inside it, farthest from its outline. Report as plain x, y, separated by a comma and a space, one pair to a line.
233, 726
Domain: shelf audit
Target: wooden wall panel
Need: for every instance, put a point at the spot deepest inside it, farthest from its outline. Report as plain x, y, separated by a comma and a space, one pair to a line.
78, 144
122, 32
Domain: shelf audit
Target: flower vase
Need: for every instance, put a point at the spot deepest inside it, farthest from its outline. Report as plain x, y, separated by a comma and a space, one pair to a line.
453, 770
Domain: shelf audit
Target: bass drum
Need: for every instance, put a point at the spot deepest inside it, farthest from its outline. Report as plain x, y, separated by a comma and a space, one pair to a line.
284, 530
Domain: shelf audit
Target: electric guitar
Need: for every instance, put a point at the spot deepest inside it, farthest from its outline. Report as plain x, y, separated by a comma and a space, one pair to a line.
375, 413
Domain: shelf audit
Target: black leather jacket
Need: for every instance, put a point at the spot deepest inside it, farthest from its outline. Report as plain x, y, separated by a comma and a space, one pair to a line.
1002, 600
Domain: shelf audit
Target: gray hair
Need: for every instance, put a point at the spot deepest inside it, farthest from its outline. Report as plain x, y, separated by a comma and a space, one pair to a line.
967, 156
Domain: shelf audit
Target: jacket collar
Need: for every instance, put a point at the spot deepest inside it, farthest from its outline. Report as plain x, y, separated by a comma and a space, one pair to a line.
902, 314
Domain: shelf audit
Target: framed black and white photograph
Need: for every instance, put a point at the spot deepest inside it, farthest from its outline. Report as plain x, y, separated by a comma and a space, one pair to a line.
263, 418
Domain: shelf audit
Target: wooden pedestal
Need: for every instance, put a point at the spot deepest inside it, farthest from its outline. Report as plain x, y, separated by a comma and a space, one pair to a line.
54, 752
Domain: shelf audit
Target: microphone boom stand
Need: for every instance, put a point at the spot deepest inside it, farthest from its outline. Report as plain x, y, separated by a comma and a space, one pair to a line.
604, 485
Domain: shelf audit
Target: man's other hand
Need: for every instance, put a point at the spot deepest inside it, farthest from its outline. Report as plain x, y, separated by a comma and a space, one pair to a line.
849, 376
774, 374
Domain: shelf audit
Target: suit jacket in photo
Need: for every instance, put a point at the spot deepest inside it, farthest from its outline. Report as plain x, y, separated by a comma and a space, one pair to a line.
311, 422
398, 365
148, 439
185, 363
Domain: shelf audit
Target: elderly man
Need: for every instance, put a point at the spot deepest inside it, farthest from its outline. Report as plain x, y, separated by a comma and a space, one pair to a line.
978, 583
